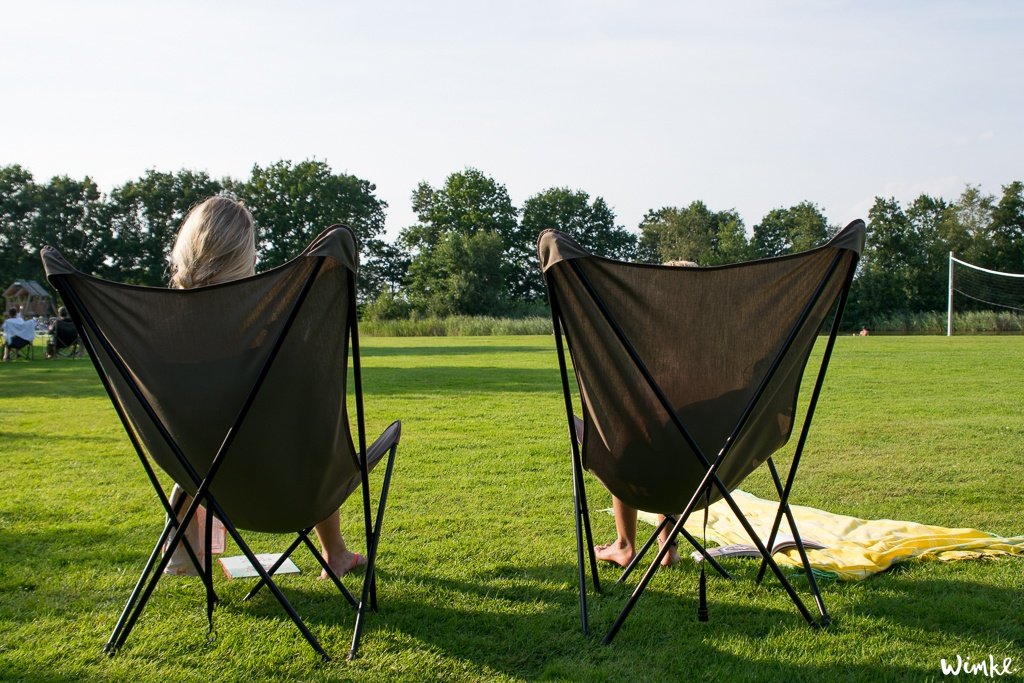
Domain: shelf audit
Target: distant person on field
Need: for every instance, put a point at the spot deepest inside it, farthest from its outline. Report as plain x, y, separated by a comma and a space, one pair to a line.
622, 550
18, 333
864, 332
217, 243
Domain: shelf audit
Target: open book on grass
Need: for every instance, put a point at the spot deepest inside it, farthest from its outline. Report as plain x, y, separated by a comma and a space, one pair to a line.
238, 566
783, 542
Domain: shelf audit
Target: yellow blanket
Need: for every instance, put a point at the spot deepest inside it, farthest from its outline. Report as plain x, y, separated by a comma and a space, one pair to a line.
855, 548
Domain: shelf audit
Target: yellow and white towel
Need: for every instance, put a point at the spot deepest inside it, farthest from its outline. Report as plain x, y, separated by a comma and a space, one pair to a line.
855, 548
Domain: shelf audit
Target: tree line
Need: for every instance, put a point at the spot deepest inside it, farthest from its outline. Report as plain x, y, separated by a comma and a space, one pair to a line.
471, 251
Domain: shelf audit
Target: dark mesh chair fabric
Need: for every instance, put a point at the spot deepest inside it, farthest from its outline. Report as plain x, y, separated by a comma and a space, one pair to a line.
674, 364
181, 364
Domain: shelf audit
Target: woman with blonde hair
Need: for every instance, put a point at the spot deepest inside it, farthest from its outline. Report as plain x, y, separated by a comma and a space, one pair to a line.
217, 243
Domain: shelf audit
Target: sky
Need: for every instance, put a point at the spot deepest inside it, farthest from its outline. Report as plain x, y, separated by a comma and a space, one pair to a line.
742, 105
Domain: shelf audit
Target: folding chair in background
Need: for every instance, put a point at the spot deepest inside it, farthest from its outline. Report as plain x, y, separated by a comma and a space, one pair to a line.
63, 340
688, 381
238, 392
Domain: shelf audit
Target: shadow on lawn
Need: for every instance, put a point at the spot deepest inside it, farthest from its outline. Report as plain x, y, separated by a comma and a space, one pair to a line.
391, 381
957, 609
523, 621
44, 380
540, 635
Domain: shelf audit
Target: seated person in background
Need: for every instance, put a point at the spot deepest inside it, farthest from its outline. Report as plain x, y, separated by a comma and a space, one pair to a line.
62, 333
18, 333
217, 243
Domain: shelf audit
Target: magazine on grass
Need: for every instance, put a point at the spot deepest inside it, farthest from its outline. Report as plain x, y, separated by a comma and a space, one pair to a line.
783, 542
239, 567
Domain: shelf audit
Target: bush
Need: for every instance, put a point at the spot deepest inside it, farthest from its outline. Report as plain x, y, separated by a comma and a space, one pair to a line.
454, 326
387, 306
934, 322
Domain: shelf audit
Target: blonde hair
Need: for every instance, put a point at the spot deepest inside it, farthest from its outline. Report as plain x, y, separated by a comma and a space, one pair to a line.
216, 243
685, 264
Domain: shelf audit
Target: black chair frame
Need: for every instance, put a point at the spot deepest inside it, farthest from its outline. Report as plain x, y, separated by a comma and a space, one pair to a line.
584, 535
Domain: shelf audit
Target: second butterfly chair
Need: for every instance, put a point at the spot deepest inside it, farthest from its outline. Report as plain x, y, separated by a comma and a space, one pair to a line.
688, 381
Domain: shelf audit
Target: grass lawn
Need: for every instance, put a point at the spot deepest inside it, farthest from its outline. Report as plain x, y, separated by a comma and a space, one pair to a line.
477, 565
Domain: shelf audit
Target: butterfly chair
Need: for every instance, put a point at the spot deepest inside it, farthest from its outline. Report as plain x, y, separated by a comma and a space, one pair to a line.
238, 392
688, 380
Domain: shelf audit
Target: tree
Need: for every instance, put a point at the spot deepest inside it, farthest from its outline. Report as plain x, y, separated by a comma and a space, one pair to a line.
1006, 232
890, 261
467, 276
591, 223
18, 193
785, 231
144, 218
930, 220
383, 270
71, 215
293, 203
694, 233
463, 250
969, 233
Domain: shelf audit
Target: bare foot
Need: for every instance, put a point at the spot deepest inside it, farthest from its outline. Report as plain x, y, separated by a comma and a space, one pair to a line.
619, 553
672, 556
344, 564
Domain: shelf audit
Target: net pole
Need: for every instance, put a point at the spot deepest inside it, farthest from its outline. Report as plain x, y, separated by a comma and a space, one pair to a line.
949, 305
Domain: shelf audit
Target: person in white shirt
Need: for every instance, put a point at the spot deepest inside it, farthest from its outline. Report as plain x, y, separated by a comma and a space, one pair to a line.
18, 333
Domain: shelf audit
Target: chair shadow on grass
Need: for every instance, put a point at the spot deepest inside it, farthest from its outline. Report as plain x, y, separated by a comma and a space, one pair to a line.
537, 633
543, 615
45, 379
395, 381
959, 609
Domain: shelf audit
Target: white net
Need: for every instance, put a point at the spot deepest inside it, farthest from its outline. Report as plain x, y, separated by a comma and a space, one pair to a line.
974, 288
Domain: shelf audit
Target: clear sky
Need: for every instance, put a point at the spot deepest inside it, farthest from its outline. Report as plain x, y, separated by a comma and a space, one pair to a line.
746, 105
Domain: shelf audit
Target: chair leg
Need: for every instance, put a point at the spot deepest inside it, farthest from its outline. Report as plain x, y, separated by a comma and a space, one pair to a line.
265, 577
136, 611
589, 535
579, 505
109, 648
767, 557
765, 554
369, 577
119, 635
785, 509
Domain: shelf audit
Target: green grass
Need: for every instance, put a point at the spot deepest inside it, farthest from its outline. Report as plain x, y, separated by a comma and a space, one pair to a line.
477, 567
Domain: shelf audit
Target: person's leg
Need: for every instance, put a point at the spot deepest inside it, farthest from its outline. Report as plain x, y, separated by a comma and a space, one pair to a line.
338, 557
672, 557
621, 550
